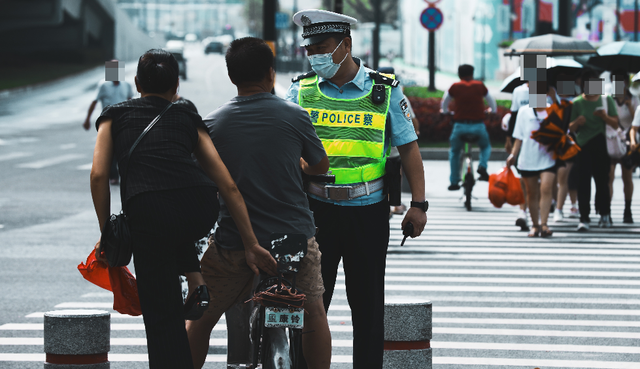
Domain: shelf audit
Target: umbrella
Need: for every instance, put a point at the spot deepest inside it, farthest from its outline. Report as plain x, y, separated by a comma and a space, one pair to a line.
621, 54
558, 142
555, 67
550, 45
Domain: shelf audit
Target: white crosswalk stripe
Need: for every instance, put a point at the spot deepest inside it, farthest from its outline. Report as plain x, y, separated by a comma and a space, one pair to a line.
500, 299
50, 161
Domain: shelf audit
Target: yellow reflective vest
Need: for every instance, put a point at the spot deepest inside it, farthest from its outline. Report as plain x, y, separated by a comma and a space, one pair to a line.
352, 131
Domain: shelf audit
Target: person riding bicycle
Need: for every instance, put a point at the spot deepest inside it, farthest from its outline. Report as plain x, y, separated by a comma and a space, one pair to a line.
468, 119
265, 142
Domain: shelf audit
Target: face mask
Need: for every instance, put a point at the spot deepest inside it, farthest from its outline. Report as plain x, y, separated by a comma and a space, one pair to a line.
323, 64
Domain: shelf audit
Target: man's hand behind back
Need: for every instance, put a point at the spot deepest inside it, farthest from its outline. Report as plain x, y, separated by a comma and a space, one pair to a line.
258, 258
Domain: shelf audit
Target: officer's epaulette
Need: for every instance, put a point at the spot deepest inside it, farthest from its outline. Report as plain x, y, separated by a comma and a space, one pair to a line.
303, 76
383, 78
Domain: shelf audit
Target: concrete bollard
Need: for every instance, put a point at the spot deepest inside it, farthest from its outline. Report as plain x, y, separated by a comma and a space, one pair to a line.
407, 334
77, 339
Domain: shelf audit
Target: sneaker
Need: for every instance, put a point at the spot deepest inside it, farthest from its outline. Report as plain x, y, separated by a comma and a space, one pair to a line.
522, 221
575, 213
605, 221
558, 216
453, 187
628, 218
484, 176
583, 227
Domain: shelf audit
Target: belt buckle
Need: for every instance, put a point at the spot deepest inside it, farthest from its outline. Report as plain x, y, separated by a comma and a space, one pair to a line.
338, 192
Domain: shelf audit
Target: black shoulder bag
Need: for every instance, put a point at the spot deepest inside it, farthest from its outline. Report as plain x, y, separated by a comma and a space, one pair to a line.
115, 241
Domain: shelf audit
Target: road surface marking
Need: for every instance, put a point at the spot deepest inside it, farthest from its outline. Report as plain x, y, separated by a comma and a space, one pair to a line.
49, 162
222, 342
429, 279
545, 272
68, 146
507, 289
443, 263
530, 363
14, 155
85, 166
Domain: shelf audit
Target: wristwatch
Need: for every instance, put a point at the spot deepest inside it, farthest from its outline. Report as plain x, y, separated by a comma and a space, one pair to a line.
424, 206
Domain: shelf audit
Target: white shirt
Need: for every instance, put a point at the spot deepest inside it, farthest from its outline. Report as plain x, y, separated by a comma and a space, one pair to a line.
533, 155
636, 118
624, 115
109, 93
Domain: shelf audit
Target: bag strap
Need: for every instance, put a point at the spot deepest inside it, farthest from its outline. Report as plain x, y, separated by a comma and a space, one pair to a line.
153, 122
135, 144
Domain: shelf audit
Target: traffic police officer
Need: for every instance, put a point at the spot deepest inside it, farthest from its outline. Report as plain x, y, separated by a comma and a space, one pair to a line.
358, 114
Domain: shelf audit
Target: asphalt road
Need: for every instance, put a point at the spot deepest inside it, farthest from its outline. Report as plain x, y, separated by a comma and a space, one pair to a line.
500, 299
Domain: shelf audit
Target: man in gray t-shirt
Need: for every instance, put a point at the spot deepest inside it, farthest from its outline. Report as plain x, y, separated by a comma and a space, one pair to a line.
260, 139
265, 142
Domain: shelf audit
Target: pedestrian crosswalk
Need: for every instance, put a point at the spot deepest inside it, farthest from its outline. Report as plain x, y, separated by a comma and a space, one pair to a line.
500, 299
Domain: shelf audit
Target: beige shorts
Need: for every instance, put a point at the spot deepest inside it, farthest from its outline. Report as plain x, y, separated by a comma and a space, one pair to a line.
230, 280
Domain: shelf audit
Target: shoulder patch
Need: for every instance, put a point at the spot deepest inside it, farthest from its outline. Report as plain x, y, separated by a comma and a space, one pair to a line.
303, 76
385, 79
404, 106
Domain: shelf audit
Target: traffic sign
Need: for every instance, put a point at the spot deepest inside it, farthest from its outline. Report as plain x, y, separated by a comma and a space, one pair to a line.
431, 18
282, 20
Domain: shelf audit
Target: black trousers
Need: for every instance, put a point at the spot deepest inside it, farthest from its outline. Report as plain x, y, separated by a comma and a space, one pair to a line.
164, 227
593, 161
359, 235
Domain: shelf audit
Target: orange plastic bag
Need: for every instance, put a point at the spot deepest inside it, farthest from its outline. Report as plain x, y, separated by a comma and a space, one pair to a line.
498, 188
118, 280
515, 195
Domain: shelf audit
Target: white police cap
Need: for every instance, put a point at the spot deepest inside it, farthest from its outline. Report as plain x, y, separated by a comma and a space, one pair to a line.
318, 25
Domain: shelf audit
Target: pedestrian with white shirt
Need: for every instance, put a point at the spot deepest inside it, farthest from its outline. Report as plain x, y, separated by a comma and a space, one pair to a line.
537, 167
626, 105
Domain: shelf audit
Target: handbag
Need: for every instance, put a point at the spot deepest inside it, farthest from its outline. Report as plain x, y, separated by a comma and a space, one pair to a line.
616, 146
115, 240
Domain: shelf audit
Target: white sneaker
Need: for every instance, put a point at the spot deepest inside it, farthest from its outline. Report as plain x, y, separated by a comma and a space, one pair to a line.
583, 227
575, 213
558, 216
605, 221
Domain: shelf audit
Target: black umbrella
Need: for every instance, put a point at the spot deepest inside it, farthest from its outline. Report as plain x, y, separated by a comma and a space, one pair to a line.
555, 67
618, 55
550, 45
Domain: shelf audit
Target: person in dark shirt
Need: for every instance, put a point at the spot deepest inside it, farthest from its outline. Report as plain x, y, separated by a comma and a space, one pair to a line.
468, 119
265, 141
169, 200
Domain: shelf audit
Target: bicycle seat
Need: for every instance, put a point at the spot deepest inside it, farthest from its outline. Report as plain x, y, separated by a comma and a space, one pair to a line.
471, 138
288, 250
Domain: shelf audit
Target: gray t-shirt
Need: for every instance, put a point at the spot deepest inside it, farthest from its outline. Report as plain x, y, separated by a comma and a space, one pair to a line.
261, 139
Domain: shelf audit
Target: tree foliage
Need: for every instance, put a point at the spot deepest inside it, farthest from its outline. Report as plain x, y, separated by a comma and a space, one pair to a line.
362, 10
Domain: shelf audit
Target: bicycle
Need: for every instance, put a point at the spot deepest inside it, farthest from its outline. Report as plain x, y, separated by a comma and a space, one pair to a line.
277, 318
466, 169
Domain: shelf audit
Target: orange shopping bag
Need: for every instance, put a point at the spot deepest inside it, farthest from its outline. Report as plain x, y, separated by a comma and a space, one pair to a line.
119, 280
515, 195
498, 188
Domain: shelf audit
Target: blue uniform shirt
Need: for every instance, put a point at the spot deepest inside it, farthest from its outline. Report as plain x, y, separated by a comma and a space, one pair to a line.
399, 130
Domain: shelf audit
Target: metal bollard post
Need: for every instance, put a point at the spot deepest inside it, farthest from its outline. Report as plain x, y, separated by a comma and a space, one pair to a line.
77, 339
407, 334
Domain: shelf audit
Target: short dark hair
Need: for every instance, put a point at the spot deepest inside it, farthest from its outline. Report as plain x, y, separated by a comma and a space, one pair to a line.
249, 59
620, 73
465, 70
157, 71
